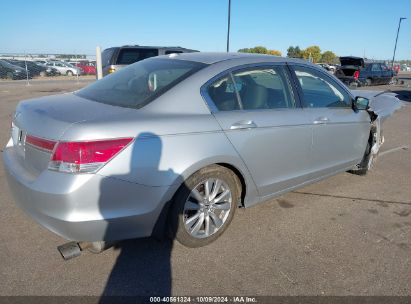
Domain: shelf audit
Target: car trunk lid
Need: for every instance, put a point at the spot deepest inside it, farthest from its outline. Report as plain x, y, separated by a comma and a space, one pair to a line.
47, 118
352, 61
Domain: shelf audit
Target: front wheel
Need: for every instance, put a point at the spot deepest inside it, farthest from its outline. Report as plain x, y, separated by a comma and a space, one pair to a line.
69, 73
204, 206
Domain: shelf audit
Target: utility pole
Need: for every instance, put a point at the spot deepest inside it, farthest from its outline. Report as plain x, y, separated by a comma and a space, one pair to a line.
396, 39
99, 63
228, 26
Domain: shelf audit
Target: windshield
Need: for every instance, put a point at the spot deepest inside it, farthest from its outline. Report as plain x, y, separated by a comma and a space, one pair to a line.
138, 84
9, 65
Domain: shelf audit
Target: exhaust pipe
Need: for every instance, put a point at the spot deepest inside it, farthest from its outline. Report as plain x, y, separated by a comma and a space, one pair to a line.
69, 250
73, 249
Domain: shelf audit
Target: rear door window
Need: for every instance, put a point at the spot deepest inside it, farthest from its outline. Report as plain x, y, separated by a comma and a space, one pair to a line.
223, 94
376, 67
131, 55
252, 89
264, 88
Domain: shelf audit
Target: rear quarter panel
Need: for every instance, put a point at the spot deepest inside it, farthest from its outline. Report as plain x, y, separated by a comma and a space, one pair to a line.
166, 160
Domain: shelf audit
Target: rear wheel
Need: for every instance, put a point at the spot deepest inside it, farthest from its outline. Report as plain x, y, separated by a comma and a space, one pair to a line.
369, 81
204, 206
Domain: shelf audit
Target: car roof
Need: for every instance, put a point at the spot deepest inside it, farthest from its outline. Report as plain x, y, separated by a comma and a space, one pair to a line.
214, 57
148, 47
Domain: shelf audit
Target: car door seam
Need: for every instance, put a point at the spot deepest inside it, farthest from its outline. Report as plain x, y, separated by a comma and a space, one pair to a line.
240, 157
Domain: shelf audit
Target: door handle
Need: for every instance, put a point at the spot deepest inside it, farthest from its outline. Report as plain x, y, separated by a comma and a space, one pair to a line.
244, 124
321, 120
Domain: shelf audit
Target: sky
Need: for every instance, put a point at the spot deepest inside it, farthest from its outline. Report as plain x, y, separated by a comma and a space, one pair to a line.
347, 27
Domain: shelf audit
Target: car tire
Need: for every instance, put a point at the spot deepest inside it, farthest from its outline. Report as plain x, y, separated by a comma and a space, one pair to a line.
43, 74
196, 218
369, 82
9, 75
69, 73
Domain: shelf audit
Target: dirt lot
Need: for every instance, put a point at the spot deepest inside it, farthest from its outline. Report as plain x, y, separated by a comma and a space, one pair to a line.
347, 235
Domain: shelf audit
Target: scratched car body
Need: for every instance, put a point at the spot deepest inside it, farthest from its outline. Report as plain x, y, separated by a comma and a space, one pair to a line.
176, 143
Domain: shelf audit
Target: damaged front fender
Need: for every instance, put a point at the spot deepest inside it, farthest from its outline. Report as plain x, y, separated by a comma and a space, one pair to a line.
382, 103
381, 106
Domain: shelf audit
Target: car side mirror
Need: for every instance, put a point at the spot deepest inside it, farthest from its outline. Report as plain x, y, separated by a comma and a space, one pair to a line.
360, 103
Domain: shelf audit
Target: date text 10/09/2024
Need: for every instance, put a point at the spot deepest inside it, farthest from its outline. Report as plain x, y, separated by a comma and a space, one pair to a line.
200, 299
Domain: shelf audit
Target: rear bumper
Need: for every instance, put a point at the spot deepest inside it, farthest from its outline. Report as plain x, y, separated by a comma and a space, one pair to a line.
86, 207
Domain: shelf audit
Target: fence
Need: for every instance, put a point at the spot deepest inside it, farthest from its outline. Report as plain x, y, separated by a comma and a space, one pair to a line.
30, 68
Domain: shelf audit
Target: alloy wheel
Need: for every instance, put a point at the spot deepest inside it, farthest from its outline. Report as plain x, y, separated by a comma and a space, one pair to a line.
207, 208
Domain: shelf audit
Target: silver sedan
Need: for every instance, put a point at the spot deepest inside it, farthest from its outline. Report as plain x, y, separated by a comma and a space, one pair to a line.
176, 143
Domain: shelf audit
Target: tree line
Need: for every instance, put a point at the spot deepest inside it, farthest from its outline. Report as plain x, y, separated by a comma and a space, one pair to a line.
260, 50
312, 53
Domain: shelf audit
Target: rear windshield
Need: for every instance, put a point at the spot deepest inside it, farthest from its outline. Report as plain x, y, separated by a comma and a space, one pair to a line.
138, 84
129, 56
106, 56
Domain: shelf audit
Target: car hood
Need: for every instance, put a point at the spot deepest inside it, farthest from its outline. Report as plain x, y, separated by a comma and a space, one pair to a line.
382, 103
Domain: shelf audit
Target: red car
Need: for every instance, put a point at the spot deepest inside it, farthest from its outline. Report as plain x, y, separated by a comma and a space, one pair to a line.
88, 68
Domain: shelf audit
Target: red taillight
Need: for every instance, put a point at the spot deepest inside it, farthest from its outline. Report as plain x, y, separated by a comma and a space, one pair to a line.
40, 143
356, 75
85, 156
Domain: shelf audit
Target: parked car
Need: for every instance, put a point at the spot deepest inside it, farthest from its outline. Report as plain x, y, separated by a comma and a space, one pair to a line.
405, 68
115, 58
50, 71
328, 67
65, 68
41, 61
88, 68
34, 68
355, 71
177, 143
11, 71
